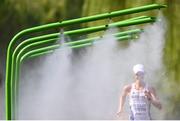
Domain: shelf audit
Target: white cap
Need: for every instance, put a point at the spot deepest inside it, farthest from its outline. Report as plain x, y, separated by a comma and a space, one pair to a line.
138, 68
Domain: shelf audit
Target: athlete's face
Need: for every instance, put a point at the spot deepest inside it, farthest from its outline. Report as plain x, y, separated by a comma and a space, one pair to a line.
139, 76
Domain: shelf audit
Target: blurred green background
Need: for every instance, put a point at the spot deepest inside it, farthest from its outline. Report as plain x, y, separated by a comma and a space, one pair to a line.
16, 15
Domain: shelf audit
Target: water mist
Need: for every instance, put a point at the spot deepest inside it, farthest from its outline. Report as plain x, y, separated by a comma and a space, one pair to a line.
87, 86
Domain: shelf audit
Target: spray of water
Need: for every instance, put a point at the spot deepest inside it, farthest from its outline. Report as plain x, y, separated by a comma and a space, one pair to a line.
87, 86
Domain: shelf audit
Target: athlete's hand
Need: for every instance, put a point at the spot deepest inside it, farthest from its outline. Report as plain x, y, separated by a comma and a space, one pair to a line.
148, 95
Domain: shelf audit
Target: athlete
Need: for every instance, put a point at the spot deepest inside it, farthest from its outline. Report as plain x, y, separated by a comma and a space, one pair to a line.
141, 96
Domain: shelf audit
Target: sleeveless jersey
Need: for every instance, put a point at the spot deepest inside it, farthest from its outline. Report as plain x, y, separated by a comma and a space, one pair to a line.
139, 104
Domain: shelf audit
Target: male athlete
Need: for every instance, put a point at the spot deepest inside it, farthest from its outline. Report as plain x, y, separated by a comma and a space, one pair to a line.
141, 96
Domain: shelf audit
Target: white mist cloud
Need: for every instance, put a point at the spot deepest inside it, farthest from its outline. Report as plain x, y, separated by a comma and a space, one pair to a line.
89, 88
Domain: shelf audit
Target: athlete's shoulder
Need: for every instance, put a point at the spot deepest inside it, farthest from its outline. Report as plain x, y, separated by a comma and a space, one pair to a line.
127, 87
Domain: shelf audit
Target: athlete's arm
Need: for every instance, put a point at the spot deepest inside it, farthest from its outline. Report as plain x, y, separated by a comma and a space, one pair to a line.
125, 91
154, 99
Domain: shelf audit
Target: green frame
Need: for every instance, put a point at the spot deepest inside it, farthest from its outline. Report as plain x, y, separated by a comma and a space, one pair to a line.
10, 67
